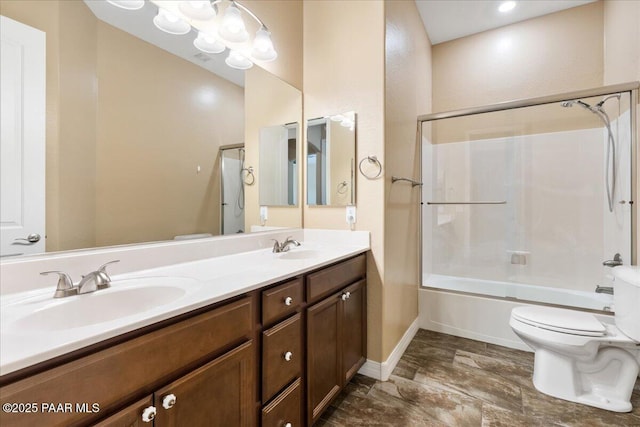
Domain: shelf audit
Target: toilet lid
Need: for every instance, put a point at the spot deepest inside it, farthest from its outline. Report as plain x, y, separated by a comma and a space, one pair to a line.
560, 320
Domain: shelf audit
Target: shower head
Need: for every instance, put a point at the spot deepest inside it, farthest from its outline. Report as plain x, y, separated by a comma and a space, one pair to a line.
615, 95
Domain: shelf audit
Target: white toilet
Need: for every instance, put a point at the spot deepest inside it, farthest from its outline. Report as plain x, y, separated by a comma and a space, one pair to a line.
580, 359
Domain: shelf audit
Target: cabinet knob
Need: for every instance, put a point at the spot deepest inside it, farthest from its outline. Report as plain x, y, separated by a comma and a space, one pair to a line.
288, 356
148, 414
288, 301
169, 401
288, 425
346, 296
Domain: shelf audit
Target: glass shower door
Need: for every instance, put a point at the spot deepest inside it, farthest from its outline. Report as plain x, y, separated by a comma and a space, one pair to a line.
232, 191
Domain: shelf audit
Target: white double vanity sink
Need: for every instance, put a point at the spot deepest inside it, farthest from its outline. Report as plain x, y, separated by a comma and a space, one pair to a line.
151, 283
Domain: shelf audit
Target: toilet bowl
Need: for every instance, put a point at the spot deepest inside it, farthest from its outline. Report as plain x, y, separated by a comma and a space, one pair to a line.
580, 359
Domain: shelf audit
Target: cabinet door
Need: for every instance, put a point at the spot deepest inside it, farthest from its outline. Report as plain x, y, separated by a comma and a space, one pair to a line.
220, 393
131, 416
354, 328
323, 355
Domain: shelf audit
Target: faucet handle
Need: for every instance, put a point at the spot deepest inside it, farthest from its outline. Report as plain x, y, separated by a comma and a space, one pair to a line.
102, 278
65, 284
276, 246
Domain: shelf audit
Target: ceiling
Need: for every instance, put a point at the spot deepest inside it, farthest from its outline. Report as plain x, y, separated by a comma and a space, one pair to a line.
446, 20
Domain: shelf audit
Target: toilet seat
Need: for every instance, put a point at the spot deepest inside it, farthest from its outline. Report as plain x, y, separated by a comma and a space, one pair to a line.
560, 320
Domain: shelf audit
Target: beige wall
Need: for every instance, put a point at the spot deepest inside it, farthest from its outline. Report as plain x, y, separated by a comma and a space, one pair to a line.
284, 20
555, 53
77, 127
407, 95
269, 101
344, 71
622, 56
175, 119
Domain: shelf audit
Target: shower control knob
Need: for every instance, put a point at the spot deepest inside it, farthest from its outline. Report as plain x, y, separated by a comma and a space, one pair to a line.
288, 301
288, 356
148, 414
169, 401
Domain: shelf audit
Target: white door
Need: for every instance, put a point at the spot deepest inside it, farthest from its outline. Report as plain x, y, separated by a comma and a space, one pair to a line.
22, 138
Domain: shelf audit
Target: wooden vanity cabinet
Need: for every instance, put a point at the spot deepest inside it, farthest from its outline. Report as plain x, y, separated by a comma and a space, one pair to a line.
274, 357
133, 368
336, 334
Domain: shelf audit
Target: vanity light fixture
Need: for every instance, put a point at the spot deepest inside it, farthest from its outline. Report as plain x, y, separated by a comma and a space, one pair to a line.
197, 9
127, 4
506, 6
220, 25
170, 23
208, 43
237, 60
233, 29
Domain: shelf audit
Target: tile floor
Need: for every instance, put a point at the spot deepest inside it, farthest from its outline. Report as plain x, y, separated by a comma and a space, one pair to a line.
443, 380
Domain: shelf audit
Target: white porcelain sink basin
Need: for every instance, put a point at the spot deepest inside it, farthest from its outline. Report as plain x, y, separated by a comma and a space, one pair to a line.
123, 298
300, 254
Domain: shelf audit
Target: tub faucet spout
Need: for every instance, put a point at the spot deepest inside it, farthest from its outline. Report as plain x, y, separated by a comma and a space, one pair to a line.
604, 290
616, 261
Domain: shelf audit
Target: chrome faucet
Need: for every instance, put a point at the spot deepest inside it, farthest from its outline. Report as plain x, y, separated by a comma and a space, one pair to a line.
284, 246
65, 286
92, 282
616, 261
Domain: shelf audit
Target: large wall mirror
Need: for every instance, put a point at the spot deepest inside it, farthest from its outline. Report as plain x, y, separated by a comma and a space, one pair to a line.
135, 122
279, 165
331, 153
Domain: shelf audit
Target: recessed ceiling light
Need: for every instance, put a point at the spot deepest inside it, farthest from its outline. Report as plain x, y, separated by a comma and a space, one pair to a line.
506, 6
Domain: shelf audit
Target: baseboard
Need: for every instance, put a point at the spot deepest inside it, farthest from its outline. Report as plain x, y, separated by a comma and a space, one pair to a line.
382, 371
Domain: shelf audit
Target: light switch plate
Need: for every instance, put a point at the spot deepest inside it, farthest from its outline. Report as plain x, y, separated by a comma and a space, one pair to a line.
264, 214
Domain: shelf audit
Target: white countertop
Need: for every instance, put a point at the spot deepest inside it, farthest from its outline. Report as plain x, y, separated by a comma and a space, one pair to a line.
208, 281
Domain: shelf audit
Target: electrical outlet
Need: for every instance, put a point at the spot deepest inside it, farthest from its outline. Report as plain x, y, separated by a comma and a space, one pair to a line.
351, 214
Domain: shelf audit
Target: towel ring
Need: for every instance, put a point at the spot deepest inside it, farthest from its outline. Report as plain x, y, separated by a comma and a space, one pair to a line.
371, 159
249, 174
343, 187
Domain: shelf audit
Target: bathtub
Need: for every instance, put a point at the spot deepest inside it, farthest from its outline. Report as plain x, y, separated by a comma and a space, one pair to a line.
480, 309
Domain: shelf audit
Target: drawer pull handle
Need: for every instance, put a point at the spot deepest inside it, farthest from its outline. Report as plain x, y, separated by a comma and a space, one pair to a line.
169, 401
288, 301
346, 296
288, 425
148, 414
288, 356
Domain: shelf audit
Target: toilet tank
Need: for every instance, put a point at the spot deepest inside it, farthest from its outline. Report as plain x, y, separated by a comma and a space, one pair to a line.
626, 299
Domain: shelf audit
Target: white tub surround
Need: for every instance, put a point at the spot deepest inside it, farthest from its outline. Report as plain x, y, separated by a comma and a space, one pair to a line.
219, 268
471, 316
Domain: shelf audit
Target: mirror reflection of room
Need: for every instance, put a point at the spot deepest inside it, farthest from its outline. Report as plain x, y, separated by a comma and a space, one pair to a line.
135, 121
279, 165
331, 160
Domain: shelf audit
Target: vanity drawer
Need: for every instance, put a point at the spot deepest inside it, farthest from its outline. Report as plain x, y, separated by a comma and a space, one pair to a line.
285, 409
329, 280
281, 355
280, 301
113, 376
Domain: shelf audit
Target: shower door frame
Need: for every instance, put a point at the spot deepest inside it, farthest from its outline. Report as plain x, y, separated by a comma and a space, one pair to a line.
631, 87
220, 150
